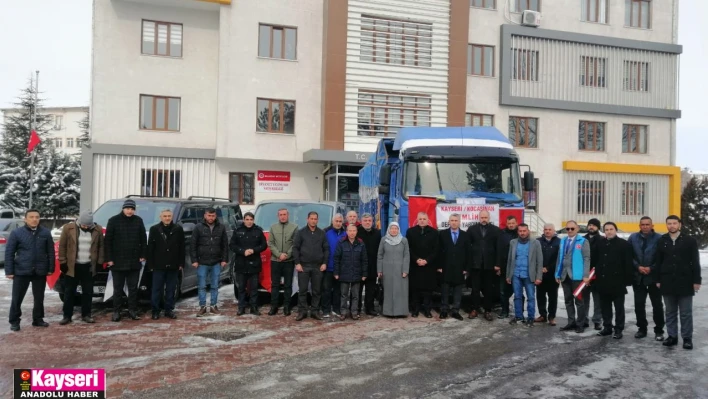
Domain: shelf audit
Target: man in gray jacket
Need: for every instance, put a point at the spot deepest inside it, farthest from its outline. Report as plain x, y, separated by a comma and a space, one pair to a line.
310, 253
280, 242
524, 270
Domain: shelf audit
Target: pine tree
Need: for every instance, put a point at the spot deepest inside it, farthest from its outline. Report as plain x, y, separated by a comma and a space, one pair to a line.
84, 126
694, 210
14, 159
57, 184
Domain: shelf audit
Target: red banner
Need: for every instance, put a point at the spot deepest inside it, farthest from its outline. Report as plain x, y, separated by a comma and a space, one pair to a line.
506, 212
265, 266
273, 175
417, 204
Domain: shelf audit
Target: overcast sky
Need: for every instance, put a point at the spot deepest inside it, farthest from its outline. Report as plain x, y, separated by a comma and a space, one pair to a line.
54, 36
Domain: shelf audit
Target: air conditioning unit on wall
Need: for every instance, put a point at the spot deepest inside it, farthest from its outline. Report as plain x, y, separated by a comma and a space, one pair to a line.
531, 18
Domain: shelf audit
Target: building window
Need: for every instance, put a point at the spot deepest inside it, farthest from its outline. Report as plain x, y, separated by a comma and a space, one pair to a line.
169, 39
480, 60
160, 183
593, 11
592, 71
591, 136
277, 42
636, 76
479, 120
637, 13
385, 113
633, 198
58, 122
521, 5
524, 64
396, 42
489, 4
523, 131
70, 142
58, 143
591, 197
634, 139
275, 116
241, 188
160, 113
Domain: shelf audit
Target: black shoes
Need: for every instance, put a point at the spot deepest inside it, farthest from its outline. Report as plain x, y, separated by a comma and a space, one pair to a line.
569, 327
598, 327
316, 315
515, 321
65, 321
372, 313
580, 330
273, 311
301, 316
241, 312
414, 314
15, 327
427, 314
443, 315
255, 311
688, 344
457, 316
671, 341
617, 334
640, 334
529, 323
40, 323
659, 337
88, 319
605, 332
286, 310
133, 315
503, 315
170, 315
116, 316
155, 316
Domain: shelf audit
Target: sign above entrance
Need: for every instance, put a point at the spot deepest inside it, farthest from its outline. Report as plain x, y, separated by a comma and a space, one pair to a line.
273, 181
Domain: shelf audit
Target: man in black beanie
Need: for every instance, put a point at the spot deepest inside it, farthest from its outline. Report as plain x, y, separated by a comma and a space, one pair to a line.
592, 236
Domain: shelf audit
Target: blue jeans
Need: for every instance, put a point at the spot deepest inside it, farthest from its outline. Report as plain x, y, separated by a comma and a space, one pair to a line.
520, 285
164, 281
202, 272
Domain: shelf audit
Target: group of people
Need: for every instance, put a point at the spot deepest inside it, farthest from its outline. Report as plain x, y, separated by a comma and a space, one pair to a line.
346, 266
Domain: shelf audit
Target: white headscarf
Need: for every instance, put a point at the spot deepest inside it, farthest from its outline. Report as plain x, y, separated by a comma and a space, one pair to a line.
393, 240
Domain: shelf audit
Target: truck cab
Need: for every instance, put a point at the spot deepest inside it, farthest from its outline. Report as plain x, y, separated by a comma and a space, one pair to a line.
452, 168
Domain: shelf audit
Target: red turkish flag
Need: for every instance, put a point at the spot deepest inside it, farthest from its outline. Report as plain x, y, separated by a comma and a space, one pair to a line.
33, 141
425, 204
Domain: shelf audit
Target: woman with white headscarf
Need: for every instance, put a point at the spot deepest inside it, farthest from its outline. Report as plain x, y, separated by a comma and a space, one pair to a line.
393, 263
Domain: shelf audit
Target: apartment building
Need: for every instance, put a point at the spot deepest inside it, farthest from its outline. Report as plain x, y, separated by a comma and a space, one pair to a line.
64, 127
287, 99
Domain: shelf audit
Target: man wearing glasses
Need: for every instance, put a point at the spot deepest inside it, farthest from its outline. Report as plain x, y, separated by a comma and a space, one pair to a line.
573, 268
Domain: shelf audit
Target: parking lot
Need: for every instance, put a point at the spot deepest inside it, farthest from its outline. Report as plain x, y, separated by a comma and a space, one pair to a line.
227, 356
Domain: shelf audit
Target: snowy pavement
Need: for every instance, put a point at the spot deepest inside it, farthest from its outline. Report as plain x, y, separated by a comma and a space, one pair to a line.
276, 357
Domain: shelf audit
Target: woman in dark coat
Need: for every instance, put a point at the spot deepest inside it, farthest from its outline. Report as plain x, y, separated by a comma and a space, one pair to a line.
614, 271
423, 241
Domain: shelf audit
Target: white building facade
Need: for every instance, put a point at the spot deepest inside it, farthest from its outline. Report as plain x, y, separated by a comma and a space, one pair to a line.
277, 99
64, 126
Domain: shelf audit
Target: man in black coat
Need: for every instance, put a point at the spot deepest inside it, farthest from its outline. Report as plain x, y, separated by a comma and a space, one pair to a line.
423, 242
165, 259
614, 271
592, 236
126, 248
679, 270
506, 290
29, 259
644, 245
550, 244
209, 251
454, 263
371, 236
485, 271
311, 253
247, 242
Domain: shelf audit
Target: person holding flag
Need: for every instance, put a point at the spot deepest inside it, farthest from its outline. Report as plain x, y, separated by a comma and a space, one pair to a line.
572, 270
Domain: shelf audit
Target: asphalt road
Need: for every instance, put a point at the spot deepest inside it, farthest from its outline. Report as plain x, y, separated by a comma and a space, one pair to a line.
476, 359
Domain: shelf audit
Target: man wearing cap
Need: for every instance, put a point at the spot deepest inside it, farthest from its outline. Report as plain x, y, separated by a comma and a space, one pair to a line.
80, 252
593, 236
126, 248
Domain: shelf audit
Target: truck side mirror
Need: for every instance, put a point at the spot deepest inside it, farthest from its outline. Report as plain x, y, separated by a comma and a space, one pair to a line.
385, 175
529, 181
384, 190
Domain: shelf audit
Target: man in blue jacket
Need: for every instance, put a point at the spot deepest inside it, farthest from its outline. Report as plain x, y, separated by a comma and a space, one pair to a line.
644, 246
29, 259
330, 289
573, 268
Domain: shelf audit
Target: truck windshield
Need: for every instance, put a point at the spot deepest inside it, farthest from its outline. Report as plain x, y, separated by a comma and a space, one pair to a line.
497, 182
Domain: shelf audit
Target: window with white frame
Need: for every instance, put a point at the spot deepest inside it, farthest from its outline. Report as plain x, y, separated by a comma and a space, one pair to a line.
58, 122
385, 113
59, 143
70, 142
593, 11
396, 42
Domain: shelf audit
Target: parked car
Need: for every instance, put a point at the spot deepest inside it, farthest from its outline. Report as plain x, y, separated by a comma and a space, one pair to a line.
267, 214
187, 212
6, 227
8, 213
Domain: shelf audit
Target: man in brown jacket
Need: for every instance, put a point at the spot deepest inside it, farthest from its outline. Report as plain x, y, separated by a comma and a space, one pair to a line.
80, 251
